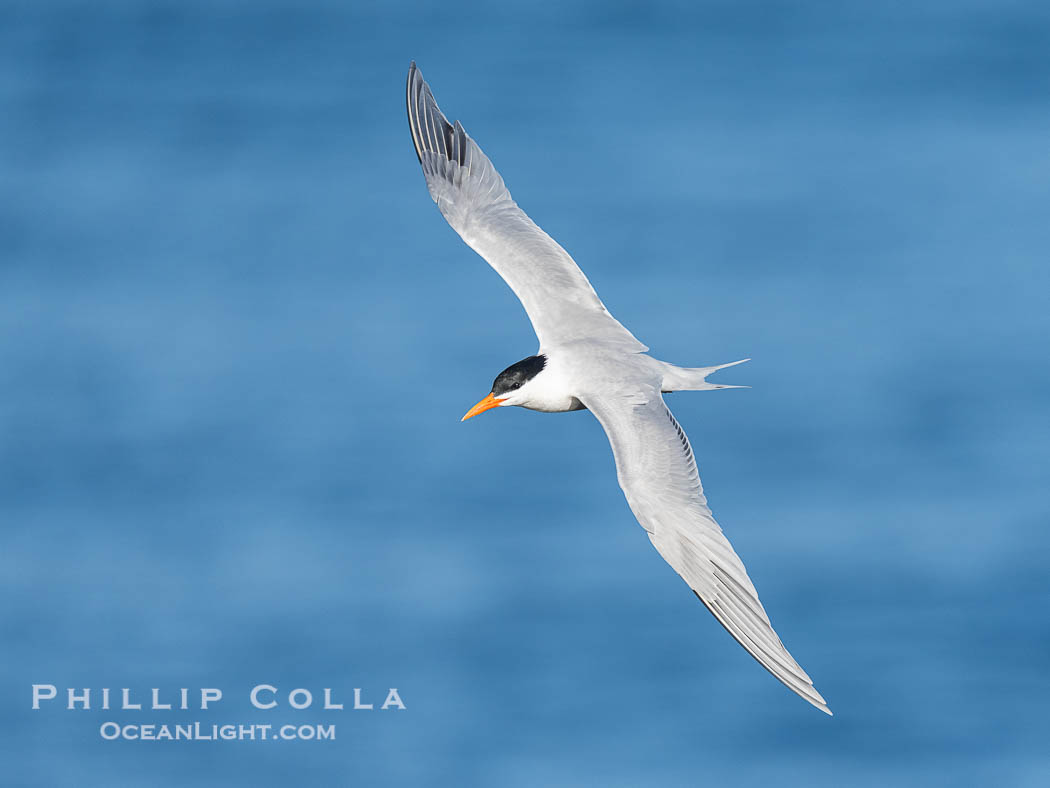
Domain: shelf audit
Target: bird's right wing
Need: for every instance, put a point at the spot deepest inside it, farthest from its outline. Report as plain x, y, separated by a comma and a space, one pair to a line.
471, 196
656, 469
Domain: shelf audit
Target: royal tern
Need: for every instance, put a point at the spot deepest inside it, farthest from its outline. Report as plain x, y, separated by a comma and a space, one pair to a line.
588, 360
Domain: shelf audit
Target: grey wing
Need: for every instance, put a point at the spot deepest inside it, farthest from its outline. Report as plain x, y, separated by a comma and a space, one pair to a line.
658, 474
560, 302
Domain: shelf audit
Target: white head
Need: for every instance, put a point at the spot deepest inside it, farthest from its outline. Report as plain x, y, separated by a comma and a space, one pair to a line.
516, 385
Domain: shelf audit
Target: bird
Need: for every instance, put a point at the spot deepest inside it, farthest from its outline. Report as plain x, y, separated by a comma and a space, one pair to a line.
588, 360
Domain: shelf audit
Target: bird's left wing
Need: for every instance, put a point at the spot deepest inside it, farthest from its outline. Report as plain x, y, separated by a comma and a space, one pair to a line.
658, 474
472, 197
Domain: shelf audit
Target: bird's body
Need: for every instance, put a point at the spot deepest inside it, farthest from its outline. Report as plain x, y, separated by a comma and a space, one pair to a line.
587, 359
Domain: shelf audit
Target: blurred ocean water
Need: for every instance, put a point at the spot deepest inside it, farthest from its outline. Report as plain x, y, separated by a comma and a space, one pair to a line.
236, 339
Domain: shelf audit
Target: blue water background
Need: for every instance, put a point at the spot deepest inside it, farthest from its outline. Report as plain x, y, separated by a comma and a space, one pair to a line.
236, 338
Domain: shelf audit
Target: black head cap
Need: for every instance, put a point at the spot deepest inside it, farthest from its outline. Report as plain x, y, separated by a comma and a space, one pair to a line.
517, 375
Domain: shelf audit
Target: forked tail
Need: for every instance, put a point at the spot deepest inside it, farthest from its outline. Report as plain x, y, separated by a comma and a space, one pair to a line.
694, 378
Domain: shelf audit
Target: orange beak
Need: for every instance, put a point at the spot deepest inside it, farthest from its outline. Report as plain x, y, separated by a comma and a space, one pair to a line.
488, 403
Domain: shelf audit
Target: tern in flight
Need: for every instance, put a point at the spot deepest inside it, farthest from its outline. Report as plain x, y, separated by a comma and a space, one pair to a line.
588, 360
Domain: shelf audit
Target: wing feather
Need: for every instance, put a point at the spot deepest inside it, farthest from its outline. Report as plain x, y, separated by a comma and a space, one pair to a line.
471, 195
657, 471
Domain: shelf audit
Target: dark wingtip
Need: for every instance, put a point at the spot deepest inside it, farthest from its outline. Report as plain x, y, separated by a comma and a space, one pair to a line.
413, 77
431, 131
